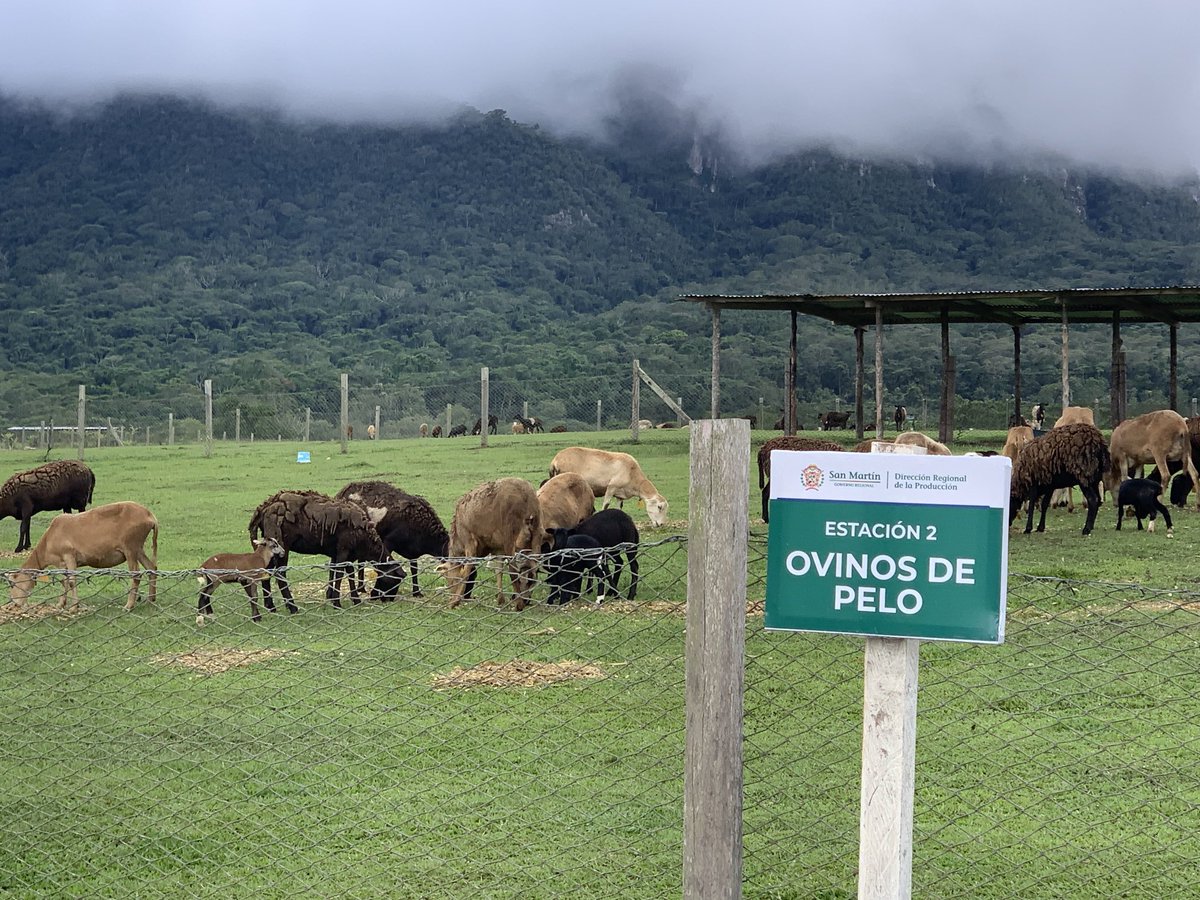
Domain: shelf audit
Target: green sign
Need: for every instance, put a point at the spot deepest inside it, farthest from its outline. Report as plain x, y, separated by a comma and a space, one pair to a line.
888, 546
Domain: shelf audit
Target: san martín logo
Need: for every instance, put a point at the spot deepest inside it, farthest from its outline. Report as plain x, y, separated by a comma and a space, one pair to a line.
812, 477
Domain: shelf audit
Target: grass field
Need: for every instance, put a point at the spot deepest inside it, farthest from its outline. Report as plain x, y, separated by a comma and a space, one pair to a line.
144, 756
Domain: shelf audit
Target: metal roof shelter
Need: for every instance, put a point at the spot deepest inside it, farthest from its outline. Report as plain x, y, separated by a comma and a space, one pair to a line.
1015, 308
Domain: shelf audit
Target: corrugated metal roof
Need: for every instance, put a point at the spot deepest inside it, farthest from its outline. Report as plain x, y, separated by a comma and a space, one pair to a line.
1173, 304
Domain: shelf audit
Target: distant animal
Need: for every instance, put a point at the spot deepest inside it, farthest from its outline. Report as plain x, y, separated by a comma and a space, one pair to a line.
103, 537
613, 476
370, 432
458, 431
518, 428
500, 517
1039, 415
1017, 420
1159, 437
666, 425
565, 500
786, 442
1064, 457
1018, 437
493, 422
349, 432
1075, 414
533, 423
832, 420
917, 439
246, 569
311, 522
559, 429
900, 417
574, 562
62, 484
645, 424
1142, 495
437, 431
779, 423
424, 429
753, 420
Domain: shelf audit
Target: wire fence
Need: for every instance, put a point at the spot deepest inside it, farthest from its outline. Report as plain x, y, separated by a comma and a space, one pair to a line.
407, 749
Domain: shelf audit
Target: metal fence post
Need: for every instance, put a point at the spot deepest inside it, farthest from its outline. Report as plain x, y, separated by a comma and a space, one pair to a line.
345, 410
714, 663
82, 416
483, 406
207, 418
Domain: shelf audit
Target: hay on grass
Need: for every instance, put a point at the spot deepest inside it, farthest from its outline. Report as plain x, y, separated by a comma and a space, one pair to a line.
516, 673
215, 660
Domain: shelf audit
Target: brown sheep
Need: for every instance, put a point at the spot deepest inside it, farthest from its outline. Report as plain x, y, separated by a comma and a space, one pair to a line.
310, 522
497, 517
917, 439
566, 500
1064, 457
104, 536
63, 484
1018, 437
246, 569
1159, 437
786, 442
1074, 415
559, 429
613, 476
437, 431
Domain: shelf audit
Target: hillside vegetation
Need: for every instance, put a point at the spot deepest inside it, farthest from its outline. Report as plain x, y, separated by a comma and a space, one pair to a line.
155, 242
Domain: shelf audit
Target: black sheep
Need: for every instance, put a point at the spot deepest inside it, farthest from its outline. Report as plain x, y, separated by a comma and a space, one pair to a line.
614, 530
1142, 495
63, 484
576, 560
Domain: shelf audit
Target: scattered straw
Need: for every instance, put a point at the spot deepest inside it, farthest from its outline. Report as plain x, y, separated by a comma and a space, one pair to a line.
215, 660
32, 612
516, 673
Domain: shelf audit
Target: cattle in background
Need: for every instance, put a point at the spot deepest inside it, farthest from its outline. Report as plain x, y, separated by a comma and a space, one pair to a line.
832, 420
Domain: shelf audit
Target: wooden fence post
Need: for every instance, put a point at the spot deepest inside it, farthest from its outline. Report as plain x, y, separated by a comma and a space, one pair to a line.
237, 426
598, 419
377, 434
82, 417
714, 658
207, 418
170, 429
345, 410
484, 387
307, 423
636, 404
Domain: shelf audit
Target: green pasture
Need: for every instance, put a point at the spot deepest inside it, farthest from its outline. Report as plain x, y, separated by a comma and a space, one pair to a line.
1059, 764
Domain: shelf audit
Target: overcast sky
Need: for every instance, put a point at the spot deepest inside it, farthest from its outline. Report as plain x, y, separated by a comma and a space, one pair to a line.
1112, 84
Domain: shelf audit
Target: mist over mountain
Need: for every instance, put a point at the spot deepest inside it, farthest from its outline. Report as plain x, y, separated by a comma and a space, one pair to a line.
151, 241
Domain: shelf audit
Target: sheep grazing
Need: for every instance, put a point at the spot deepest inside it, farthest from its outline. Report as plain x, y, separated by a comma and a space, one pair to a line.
497, 517
917, 439
574, 561
1018, 437
565, 500
458, 431
437, 431
1074, 415
102, 537
246, 569
559, 429
493, 423
310, 522
349, 432
616, 532
370, 432
787, 442
423, 431
1141, 494
1068, 456
1159, 437
832, 420
534, 425
63, 484
613, 476
645, 424
407, 525
518, 428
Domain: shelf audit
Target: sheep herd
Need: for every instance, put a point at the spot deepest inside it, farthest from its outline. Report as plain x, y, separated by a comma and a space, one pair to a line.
553, 528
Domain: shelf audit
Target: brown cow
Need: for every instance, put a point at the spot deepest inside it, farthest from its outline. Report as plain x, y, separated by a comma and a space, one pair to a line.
103, 537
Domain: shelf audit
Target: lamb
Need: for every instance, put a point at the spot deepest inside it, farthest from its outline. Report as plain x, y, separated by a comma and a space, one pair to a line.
246, 569
1018, 437
458, 431
1159, 436
917, 439
616, 532
310, 522
565, 500
1071, 455
786, 442
63, 484
1142, 495
615, 476
407, 525
103, 537
496, 517
573, 562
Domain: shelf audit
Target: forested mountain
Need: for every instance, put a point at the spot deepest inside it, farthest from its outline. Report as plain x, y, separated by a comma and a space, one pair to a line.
153, 242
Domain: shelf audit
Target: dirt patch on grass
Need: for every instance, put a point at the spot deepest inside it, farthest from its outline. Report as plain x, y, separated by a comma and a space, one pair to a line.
33, 612
516, 673
215, 660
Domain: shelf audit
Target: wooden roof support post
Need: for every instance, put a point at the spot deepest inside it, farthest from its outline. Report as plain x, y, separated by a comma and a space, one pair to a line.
944, 406
1016, 374
858, 381
789, 403
1066, 359
716, 360
1115, 389
879, 372
1173, 399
